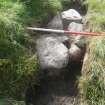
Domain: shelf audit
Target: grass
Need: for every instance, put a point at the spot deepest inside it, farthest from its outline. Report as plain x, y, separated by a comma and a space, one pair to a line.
10, 102
18, 68
96, 14
41, 10
92, 81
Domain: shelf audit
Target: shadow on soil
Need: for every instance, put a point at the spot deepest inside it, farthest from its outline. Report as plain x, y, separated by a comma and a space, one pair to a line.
57, 91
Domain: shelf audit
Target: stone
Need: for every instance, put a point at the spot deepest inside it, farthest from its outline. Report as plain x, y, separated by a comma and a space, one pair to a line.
52, 53
56, 22
78, 46
62, 38
76, 27
76, 54
80, 41
69, 16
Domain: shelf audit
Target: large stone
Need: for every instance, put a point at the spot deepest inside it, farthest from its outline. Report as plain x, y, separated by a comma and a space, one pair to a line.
52, 53
69, 16
76, 53
62, 38
77, 27
79, 40
56, 22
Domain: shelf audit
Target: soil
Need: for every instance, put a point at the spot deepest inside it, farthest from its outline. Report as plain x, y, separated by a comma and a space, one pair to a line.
61, 90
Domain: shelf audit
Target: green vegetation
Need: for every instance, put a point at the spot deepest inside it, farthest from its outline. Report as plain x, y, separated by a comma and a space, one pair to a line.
92, 82
19, 67
44, 9
96, 14
41, 9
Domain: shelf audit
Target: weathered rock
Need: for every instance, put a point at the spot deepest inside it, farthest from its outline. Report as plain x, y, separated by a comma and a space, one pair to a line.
80, 41
69, 16
78, 48
62, 38
76, 54
56, 22
77, 27
52, 53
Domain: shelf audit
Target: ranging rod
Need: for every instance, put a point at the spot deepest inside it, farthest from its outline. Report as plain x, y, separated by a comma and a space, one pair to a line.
67, 32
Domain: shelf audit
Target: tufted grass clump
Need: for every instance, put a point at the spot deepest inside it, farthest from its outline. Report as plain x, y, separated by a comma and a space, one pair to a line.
96, 14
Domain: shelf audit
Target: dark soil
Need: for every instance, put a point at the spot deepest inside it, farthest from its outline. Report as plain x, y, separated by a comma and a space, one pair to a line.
61, 90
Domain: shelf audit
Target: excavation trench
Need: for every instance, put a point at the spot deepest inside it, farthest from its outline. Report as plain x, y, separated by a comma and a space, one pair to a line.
61, 90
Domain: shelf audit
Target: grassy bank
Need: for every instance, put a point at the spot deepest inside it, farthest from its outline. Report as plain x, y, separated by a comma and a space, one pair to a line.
92, 82
18, 68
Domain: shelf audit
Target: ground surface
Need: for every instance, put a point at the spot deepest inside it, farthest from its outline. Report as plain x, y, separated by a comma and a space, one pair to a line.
61, 90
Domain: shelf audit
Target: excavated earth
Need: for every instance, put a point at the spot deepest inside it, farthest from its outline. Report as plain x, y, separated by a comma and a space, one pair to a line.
60, 90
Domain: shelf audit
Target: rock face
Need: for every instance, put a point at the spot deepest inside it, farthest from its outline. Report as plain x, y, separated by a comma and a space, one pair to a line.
72, 21
52, 53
